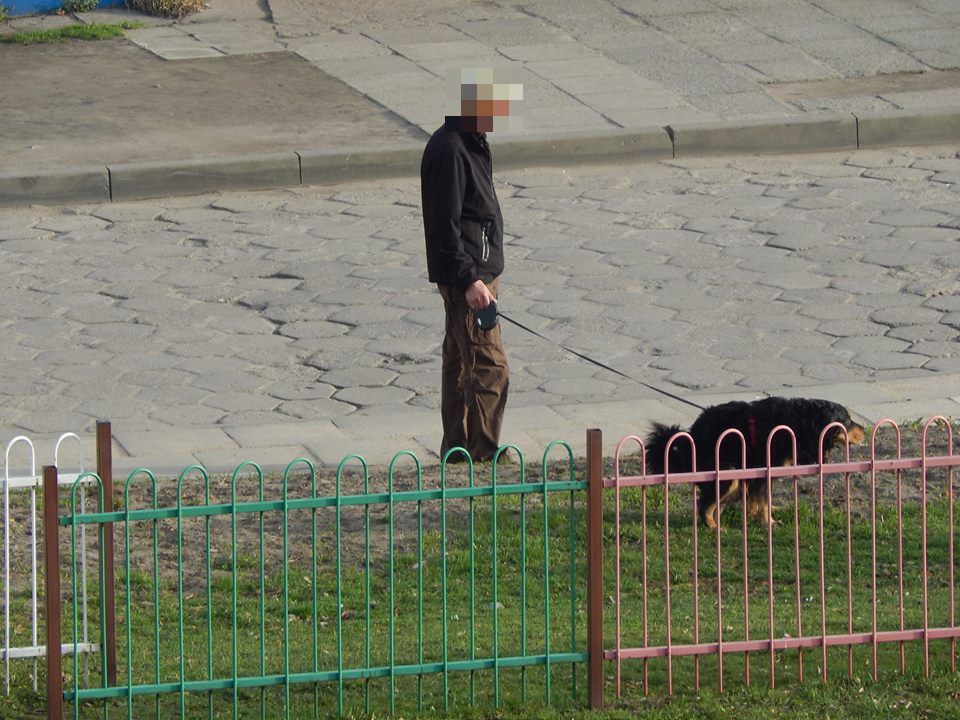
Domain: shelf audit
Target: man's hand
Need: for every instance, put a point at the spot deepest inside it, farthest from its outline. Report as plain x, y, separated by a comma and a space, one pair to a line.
478, 296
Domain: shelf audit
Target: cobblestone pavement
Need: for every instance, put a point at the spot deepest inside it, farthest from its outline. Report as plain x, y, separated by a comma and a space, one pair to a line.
291, 319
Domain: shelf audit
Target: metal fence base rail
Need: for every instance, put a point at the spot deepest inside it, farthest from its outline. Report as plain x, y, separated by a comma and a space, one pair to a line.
800, 612
328, 676
245, 625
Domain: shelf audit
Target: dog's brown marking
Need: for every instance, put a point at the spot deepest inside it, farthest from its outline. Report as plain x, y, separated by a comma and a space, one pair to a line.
856, 434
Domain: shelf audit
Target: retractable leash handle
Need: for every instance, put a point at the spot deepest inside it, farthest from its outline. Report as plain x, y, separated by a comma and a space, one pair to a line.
486, 319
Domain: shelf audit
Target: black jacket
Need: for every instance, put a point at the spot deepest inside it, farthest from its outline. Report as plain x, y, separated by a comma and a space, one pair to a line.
462, 223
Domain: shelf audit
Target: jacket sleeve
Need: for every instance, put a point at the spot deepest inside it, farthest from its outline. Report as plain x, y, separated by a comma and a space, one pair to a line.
447, 186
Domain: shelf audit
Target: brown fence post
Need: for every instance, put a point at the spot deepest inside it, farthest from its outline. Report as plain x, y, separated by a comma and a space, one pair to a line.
105, 471
595, 568
51, 561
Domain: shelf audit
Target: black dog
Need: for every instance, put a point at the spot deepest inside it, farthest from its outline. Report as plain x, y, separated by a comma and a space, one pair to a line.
807, 418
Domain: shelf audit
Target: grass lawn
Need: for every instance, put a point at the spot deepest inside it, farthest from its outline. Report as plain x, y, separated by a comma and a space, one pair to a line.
92, 31
421, 600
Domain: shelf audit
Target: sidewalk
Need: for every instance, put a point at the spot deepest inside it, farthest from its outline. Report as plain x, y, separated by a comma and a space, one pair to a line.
236, 98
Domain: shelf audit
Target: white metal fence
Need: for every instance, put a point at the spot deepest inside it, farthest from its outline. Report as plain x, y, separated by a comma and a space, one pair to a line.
20, 476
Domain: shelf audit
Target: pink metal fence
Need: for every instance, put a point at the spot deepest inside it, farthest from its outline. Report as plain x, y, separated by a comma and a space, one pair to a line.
778, 636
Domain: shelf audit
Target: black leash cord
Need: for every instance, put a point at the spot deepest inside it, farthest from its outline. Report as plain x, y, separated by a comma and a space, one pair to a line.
598, 363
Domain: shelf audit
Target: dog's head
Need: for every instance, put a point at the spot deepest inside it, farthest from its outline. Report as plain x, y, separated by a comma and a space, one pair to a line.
822, 413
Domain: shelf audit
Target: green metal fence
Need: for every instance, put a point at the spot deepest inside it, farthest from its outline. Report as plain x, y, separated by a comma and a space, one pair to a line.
269, 598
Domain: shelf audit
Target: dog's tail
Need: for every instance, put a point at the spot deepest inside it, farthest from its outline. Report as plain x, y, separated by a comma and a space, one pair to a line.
656, 446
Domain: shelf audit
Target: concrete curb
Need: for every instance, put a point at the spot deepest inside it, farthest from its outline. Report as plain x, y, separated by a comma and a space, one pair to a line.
643, 144
786, 135
133, 181
915, 128
64, 185
326, 168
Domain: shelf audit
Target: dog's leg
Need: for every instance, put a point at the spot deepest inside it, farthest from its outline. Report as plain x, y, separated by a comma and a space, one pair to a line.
757, 507
786, 463
712, 513
708, 517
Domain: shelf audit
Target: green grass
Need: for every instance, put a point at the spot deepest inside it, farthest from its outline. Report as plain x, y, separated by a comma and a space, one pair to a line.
260, 626
93, 31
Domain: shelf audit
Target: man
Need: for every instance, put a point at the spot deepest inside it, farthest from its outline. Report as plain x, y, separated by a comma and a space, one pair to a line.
463, 228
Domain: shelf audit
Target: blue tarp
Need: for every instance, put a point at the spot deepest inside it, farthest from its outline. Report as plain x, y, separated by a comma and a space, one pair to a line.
29, 7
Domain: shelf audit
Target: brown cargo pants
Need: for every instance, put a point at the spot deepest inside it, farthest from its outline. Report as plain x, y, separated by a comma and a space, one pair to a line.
475, 380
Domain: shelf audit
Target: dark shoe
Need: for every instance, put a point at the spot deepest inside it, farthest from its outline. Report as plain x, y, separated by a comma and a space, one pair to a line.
456, 458
507, 457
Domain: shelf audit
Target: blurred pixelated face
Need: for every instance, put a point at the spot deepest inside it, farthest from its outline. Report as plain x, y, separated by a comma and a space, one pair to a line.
487, 97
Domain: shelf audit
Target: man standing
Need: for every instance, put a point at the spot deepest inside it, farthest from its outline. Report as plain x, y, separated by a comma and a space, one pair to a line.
463, 228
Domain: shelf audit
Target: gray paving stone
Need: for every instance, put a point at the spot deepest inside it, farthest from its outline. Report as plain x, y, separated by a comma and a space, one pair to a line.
315, 409
715, 379
273, 459
312, 329
943, 364
924, 333
871, 344
174, 392
582, 389
234, 382
820, 357
368, 377
154, 443
793, 281
850, 328
906, 315
367, 396
889, 361
232, 402
910, 218
949, 303
69, 222
935, 349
